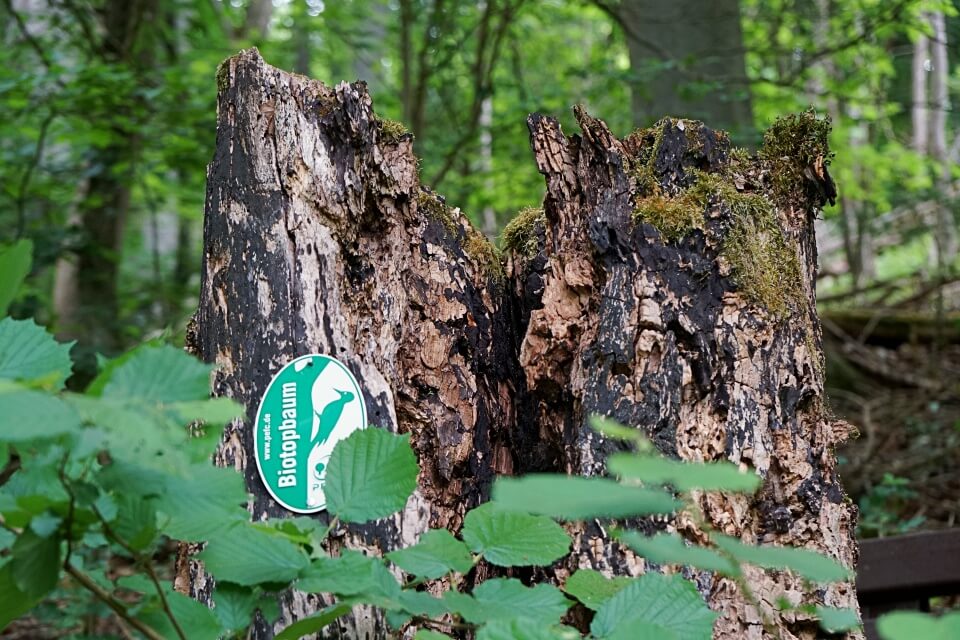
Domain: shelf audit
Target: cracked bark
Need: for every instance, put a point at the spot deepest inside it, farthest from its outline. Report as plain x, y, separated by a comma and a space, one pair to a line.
319, 238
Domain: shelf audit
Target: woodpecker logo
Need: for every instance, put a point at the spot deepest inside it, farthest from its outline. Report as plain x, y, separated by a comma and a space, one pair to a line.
309, 406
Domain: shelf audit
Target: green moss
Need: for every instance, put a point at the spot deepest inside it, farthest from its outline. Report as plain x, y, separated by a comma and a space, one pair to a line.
223, 75
791, 145
484, 254
763, 264
672, 217
431, 204
520, 234
391, 130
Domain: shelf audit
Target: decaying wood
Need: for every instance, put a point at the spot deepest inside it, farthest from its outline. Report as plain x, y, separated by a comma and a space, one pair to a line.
319, 238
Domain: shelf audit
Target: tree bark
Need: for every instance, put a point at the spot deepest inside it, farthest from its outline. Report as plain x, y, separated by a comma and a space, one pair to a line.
319, 238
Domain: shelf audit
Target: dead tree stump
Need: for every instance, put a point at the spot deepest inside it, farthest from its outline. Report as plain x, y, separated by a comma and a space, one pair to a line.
666, 282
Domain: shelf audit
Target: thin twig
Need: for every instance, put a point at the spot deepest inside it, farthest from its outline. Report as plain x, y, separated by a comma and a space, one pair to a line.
87, 583
147, 564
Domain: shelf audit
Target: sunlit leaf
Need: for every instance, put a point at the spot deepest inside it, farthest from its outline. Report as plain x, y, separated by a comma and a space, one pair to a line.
514, 539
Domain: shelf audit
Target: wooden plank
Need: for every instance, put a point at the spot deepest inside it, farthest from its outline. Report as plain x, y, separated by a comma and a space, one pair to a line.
911, 567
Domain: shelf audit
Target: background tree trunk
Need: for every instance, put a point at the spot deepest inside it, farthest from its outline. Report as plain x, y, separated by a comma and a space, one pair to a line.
686, 60
319, 238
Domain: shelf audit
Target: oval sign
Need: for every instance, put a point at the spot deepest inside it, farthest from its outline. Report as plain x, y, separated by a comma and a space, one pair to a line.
309, 406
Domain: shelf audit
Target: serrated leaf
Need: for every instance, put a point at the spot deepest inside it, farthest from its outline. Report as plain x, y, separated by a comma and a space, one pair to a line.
666, 548
234, 606
197, 621
35, 563
669, 602
28, 352
913, 625
136, 520
835, 620
371, 475
313, 624
436, 554
33, 415
684, 476
514, 539
509, 599
15, 263
803, 562
578, 498
592, 588
525, 629
161, 374
13, 602
351, 574
248, 556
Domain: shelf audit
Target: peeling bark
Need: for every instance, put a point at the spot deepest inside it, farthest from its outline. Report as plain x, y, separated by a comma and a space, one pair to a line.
319, 238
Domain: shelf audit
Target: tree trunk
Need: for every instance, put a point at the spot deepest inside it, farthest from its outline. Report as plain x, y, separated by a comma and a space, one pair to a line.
319, 238
679, 47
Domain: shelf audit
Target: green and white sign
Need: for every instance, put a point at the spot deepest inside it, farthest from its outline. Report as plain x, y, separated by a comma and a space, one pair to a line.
310, 405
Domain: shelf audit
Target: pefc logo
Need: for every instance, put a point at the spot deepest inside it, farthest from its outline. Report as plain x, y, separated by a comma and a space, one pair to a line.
309, 406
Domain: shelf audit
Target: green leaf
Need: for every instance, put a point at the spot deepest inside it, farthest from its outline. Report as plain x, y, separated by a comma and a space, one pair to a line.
15, 263
669, 602
35, 563
371, 474
514, 539
313, 624
198, 503
427, 634
197, 621
28, 352
108, 365
913, 625
806, 563
509, 599
247, 556
136, 521
615, 430
161, 374
215, 411
351, 574
13, 602
834, 620
525, 629
578, 498
684, 476
666, 548
436, 554
32, 415
592, 588
234, 606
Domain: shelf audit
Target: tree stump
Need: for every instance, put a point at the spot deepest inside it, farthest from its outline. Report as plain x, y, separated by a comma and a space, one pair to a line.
667, 282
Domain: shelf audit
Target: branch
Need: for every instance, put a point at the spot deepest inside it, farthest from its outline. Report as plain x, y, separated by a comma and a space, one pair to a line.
21, 198
147, 564
87, 583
